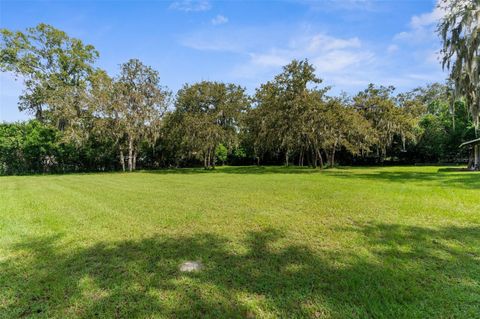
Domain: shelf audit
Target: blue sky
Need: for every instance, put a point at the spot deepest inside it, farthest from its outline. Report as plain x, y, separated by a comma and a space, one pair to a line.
351, 42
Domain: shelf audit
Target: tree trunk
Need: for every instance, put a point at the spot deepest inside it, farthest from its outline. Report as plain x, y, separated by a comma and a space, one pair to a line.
383, 154
320, 158
257, 155
130, 154
39, 113
332, 158
134, 160
122, 160
476, 161
286, 158
208, 159
205, 161
453, 116
212, 155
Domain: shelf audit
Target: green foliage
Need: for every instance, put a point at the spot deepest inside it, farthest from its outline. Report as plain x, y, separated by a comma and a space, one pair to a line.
440, 139
390, 120
141, 105
27, 148
459, 29
281, 106
88, 120
343, 128
207, 114
34, 147
239, 153
221, 153
54, 68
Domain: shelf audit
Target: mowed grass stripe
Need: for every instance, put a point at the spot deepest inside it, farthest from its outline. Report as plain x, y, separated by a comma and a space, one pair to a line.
399, 242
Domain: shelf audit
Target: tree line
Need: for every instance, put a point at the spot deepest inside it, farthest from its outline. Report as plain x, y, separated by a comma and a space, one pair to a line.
86, 120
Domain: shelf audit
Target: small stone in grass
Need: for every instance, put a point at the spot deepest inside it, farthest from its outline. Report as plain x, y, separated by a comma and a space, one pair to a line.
191, 266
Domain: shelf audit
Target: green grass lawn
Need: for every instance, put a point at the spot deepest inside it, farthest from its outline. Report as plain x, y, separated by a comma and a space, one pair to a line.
393, 242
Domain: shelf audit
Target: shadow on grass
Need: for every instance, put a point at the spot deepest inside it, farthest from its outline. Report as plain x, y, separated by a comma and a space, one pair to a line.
404, 272
450, 177
467, 180
254, 170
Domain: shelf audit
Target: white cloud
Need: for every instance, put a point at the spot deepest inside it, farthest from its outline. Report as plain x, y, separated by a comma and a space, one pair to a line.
274, 59
328, 54
404, 35
339, 59
228, 39
346, 63
421, 27
422, 77
219, 19
427, 19
191, 5
420, 43
342, 5
324, 42
392, 48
